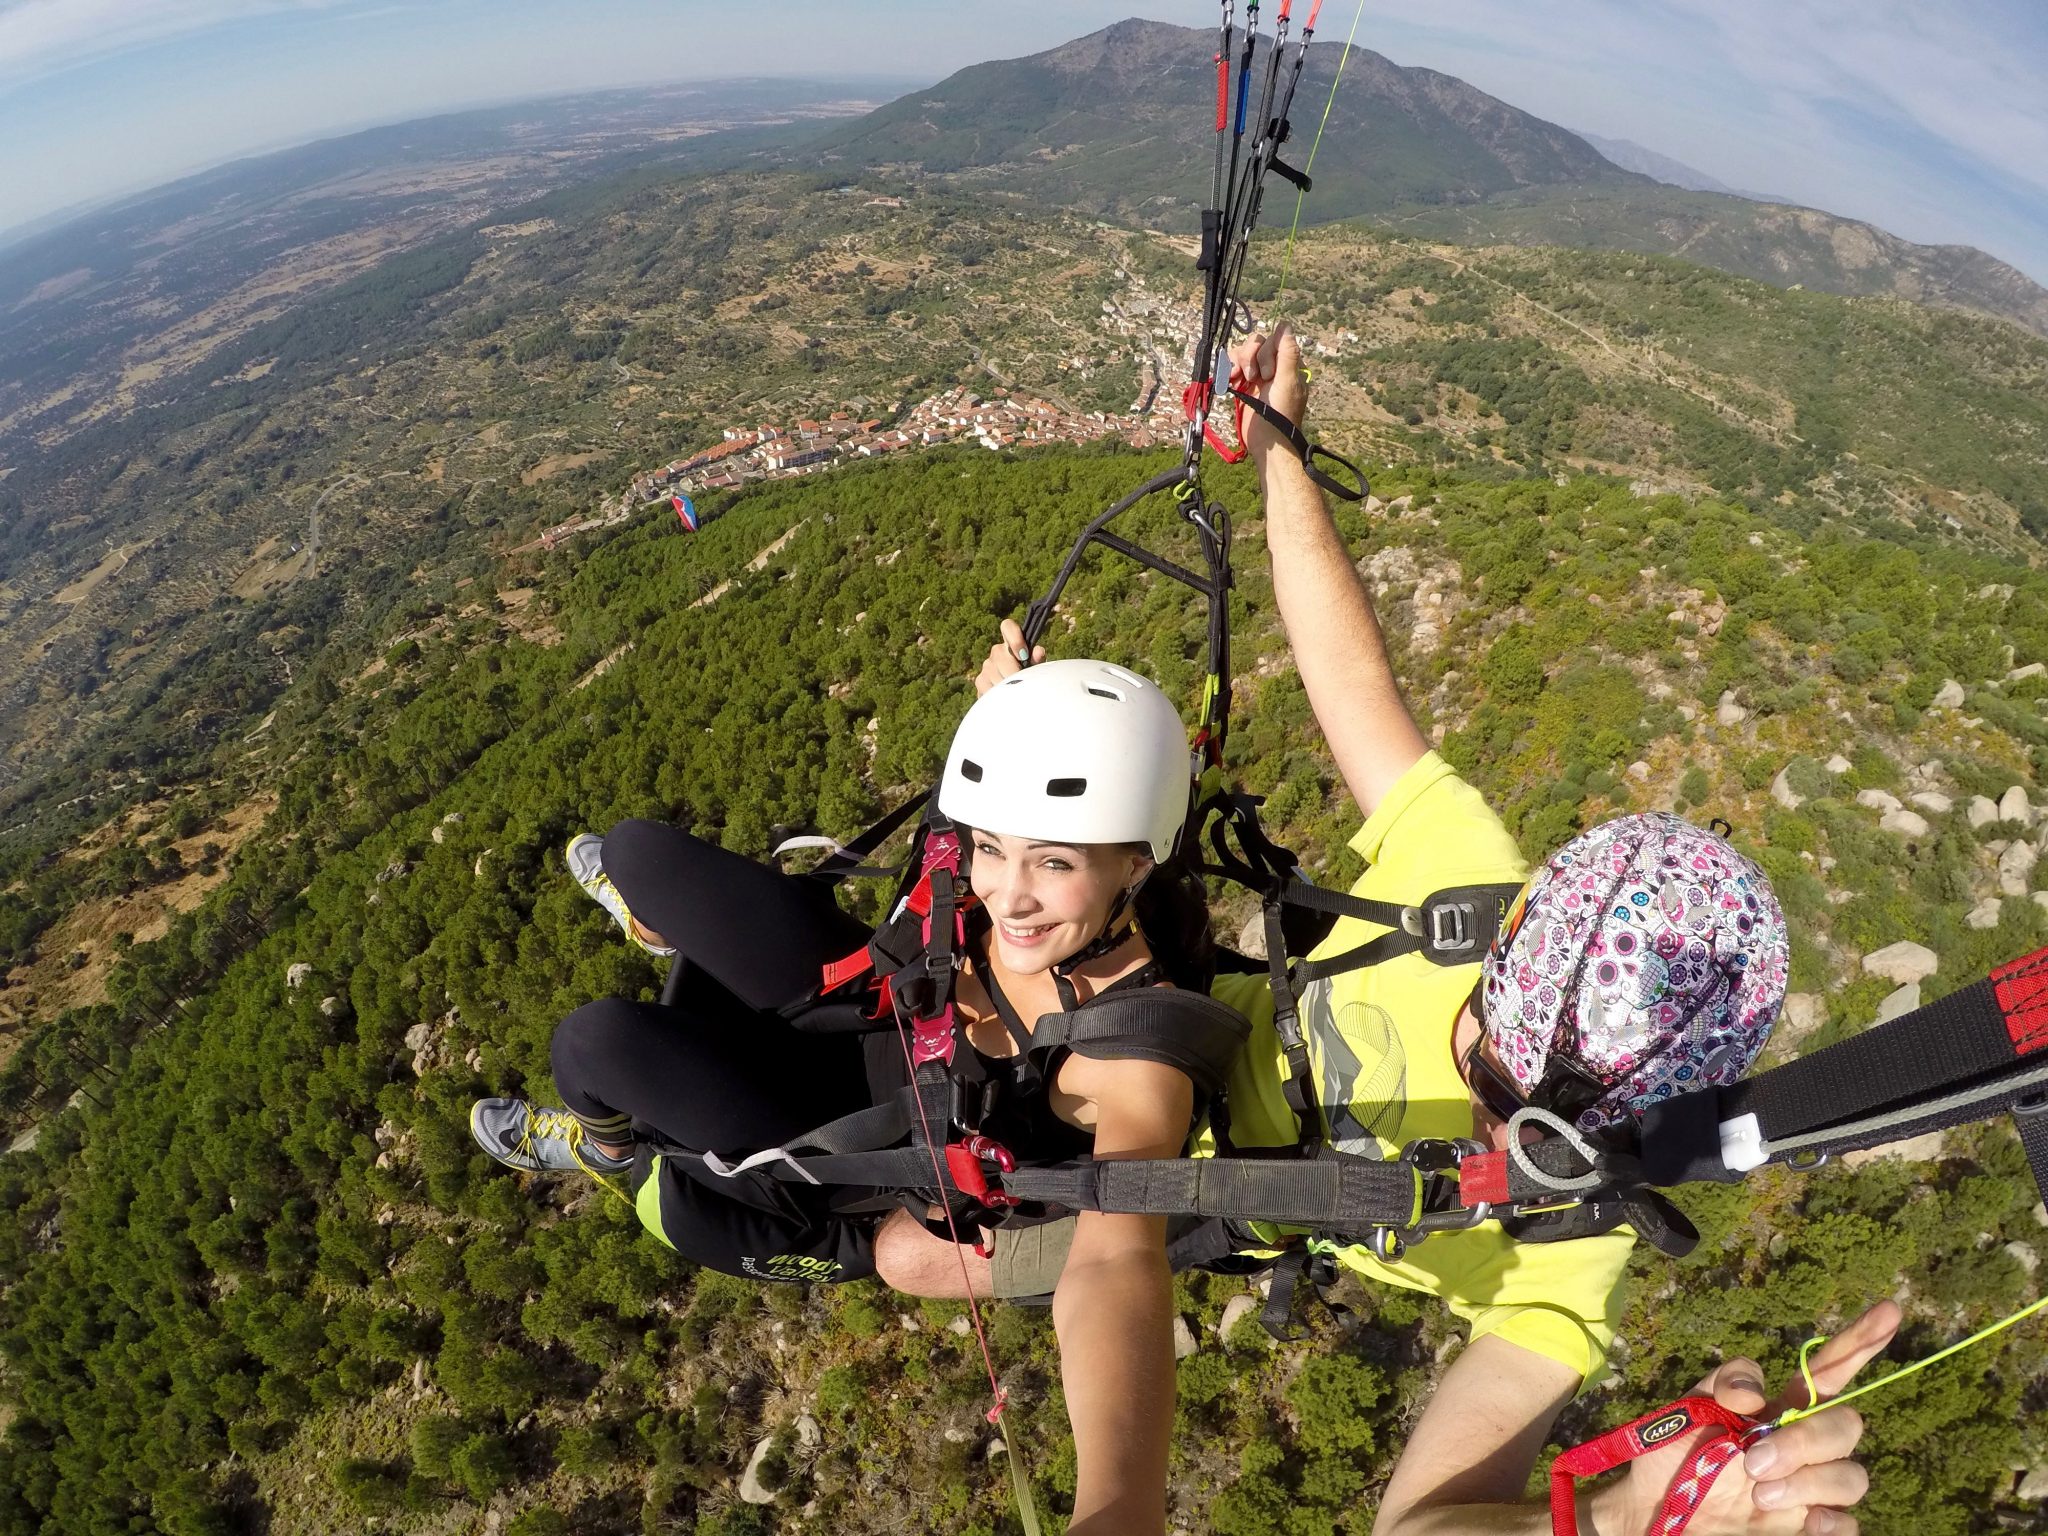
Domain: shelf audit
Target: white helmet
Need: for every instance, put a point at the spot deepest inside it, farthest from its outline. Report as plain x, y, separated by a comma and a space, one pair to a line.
1073, 752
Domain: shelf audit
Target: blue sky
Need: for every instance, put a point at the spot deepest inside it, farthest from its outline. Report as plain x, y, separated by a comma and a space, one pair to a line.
1925, 119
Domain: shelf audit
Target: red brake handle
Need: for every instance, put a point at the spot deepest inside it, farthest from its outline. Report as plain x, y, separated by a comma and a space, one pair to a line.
1732, 1434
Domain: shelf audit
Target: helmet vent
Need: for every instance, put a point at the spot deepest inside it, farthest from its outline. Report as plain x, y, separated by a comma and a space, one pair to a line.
1104, 693
970, 770
1066, 789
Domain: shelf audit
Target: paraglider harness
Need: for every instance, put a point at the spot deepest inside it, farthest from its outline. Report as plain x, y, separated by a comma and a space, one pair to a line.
1976, 1054
1979, 1053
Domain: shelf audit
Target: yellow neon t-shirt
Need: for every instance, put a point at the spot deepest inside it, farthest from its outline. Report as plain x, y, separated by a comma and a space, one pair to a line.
1387, 1077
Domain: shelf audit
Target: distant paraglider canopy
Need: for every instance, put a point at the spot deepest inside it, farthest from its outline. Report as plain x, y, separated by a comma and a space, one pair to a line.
686, 512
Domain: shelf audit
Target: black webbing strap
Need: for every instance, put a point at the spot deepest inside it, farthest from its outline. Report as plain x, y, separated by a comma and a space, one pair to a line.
1367, 909
1159, 563
1981, 1101
1203, 1244
1334, 1192
1374, 951
1190, 1031
1946, 1044
847, 861
1500, 1179
1455, 926
865, 1130
1299, 1088
1282, 1281
1307, 451
1039, 614
2030, 1119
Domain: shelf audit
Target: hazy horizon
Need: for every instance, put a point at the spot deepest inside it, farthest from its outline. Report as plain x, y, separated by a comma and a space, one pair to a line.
1930, 129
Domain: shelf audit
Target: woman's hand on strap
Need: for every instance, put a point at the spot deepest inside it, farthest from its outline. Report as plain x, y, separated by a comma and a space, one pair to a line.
1799, 1479
1005, 658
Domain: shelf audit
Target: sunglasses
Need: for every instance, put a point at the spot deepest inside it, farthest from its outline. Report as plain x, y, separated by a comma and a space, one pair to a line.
1568, 1088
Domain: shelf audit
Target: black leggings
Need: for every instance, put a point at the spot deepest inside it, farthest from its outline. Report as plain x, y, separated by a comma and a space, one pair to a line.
723, 1071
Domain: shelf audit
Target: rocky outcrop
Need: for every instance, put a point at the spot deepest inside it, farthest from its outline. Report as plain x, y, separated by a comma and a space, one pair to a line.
1902, 963
752, 1490
1804, 1013
1783, 792
1983, 915
2016, 868
1915, 1149
1237, 1310
1908, 824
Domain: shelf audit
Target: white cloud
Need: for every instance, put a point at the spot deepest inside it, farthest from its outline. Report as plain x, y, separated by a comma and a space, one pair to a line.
1929, 121
1971, 78
41, 37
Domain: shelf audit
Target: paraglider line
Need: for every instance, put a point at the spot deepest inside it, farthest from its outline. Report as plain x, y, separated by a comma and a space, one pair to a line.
1301, 197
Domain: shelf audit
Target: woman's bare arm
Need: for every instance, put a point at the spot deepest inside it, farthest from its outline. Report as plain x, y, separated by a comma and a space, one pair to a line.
1113, 1309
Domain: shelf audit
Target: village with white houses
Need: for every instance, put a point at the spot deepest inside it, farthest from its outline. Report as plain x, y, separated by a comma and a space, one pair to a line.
1151, 329
1001, 419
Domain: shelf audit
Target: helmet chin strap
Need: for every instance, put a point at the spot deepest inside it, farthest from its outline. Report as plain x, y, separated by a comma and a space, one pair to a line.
1114, 936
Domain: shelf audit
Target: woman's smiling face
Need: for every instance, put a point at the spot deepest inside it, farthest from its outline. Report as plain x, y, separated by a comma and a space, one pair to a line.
1048, 900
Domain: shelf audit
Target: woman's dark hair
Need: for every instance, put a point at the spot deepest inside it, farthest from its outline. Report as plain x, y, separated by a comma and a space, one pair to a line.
1172, 907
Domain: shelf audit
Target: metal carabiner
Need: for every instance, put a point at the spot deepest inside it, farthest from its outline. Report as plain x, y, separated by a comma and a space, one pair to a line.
1432, 1156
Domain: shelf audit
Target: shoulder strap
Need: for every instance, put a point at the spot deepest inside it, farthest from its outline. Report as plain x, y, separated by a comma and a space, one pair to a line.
1454, 926
1006, 1010
1190, 1031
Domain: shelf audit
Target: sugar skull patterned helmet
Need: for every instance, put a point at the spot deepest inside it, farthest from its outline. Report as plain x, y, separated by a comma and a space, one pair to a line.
1646, 959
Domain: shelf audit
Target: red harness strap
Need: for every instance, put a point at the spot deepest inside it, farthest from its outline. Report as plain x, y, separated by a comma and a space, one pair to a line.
839, 972
1732, 1434
2022, 992
942, 850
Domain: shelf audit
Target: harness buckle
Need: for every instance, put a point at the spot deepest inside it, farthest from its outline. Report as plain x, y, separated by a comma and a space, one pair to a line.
964, 1162
1445, 928
1434, 1156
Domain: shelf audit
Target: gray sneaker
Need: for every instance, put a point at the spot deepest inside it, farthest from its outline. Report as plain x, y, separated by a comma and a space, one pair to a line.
585, 856
519, 1135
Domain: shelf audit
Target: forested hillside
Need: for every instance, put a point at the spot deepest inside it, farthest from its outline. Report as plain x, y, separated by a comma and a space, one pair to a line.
259, 1278
1772, 242
159, 584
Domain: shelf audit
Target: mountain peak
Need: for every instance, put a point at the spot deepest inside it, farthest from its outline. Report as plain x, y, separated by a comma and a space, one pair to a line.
1120, 122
